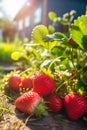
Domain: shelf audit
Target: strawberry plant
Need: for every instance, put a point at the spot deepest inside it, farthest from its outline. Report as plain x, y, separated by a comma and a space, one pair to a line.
54, 72
65, 20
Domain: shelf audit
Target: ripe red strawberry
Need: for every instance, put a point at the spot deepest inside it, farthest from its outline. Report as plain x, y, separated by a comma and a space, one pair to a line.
27, 83
14, 81
54, 102
28, 102
43, 84
75, 105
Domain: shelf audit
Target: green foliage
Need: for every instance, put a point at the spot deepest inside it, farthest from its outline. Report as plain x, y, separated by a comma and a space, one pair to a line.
66, 19
81, 85
17, 55
63, 57
52, 15
38, 35
57, 36
6, 49
79, 31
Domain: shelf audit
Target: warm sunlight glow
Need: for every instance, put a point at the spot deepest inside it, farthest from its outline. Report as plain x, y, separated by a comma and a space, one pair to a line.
13, 6
28, 4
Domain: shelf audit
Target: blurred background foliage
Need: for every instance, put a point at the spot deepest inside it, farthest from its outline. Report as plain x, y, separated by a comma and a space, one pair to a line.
7, 48
8, 29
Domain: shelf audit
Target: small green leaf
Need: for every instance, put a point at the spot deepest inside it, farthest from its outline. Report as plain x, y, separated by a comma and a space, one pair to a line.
38, 33
51, 29
52, 15
39, 36
16, 55
52, 44
57, 50
57, 36
84, 79
60, 36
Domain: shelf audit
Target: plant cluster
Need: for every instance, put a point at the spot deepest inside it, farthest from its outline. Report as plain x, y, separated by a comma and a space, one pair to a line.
54, 69
66, 19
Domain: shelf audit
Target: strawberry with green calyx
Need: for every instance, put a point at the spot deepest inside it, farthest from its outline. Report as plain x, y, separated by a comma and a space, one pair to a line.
75, 105
14, 81
31, 103
43, 84
54, 103
42, 109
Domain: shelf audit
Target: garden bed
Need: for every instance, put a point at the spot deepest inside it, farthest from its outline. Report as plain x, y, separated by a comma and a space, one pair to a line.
19, 122
13, 119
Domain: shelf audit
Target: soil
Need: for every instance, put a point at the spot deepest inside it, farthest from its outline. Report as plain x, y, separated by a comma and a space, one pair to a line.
21, 121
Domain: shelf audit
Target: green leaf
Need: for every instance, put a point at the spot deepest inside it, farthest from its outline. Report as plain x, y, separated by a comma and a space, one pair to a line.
79, 31
17, 55
57, 50
84, 79
81, 88
38, 33
52, 44
51, 29
52, 15
57, 36
79, 84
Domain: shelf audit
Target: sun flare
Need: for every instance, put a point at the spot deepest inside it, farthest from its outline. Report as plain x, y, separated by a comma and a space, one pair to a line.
12, 6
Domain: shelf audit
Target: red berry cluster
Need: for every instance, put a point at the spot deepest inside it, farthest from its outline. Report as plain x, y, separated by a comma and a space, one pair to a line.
16, 82
43, 86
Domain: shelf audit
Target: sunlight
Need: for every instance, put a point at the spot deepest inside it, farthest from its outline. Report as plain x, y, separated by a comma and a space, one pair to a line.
13, 6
